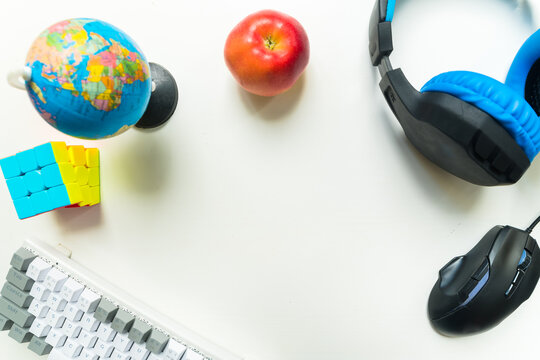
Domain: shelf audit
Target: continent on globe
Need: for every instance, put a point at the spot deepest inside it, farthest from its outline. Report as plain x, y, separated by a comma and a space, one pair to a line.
88, 78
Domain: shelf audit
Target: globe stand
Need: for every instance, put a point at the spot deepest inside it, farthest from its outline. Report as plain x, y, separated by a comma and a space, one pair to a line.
163, 100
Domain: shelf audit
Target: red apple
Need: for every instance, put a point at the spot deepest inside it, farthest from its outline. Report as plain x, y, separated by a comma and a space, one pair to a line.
267, 52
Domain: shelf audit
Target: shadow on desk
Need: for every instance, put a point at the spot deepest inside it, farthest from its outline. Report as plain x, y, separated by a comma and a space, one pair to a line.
77, 219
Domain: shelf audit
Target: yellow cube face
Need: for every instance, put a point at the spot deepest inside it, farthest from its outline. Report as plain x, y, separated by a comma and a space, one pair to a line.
67, 172
81, 175
77, 155
95, 196
92, 158
60, 151
93, 176
85, 191
74, 193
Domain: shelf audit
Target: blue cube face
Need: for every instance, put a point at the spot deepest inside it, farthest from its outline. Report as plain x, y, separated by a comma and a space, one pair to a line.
10, 167
58, 196
41, 202
24, 207
44, 155
51, 176
34, 181
27, 160
17, 187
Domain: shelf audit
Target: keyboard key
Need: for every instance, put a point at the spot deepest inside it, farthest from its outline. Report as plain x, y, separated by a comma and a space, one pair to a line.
89, 322
38, 308
39, 346
103, 349
19, 279
55, 319
139, 352
19, 316
71, 290
73, 313
106, 311
123, 321
139, 331
56, 303
122, 342
118, 355
106, 332
72, 348
22, 259
56, 338
192, 355
39, 291
174, 350
20, 298
156, 342
5, 323
88, 301
88, 354
55, 279
71, 329
38, 270
57, 354
19, 334
86, 339
40, 328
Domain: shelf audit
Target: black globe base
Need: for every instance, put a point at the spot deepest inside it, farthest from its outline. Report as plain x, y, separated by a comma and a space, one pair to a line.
163, 100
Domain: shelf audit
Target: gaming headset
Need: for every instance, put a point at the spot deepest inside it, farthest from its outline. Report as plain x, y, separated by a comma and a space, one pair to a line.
469, 124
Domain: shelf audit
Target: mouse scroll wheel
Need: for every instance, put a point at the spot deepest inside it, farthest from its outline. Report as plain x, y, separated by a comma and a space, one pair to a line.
524, 261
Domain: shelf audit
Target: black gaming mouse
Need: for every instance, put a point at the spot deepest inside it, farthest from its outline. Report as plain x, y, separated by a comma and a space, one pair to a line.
478, 290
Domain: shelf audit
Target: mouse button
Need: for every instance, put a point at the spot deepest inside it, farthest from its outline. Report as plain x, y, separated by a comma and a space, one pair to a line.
450, 271
524, 261
530, 244
467, 289
481, 271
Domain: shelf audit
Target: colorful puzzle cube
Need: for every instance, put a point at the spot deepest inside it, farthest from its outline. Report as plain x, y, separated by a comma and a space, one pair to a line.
51, 176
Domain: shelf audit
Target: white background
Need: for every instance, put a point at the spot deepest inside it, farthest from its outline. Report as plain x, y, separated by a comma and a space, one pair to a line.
303, 226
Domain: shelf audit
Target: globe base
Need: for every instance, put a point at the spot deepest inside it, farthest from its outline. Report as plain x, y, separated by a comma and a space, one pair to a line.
163, 100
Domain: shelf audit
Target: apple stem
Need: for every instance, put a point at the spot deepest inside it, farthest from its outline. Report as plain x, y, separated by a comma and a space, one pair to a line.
269, 42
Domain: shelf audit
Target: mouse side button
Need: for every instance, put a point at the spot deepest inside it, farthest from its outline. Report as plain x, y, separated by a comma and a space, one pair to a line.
448, 273
481, 271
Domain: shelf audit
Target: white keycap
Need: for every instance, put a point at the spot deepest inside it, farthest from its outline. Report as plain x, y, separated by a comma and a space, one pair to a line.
55, 319
103, 349
88, 301
89, 322
71, 329
106, 332
192, 355
88, 354
73, 313
86, 339
71, 290
55, 279
38, 269
72, 348
139, 352
122, 342
56, 338
174, 350
38, 308
39, 291
155, 357
57, 354
40, 327
56, 302
118, 355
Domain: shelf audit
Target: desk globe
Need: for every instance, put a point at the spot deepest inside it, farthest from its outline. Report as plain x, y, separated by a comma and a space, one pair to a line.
90, 80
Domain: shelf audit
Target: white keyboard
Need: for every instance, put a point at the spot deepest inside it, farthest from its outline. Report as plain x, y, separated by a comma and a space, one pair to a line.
64, 311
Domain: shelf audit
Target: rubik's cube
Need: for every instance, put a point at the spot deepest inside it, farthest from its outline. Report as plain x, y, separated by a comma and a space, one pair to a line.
51, 176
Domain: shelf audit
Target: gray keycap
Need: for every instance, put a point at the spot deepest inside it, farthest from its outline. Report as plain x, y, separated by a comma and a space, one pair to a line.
157, 342
122, 321
21, 259
19, 316
20, 298
39, 346
139, 331
19, 279
19, 334
5, 323
105, 311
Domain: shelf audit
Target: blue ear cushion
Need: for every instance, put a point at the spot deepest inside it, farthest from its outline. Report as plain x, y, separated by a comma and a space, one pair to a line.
496, 99
524, 60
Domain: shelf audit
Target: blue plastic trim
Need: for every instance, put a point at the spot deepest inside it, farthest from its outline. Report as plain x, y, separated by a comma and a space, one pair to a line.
496, 99
523, 256
390, 10
527, 55
477, 288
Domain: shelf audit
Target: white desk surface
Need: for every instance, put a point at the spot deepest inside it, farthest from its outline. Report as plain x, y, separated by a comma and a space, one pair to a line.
303, 226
